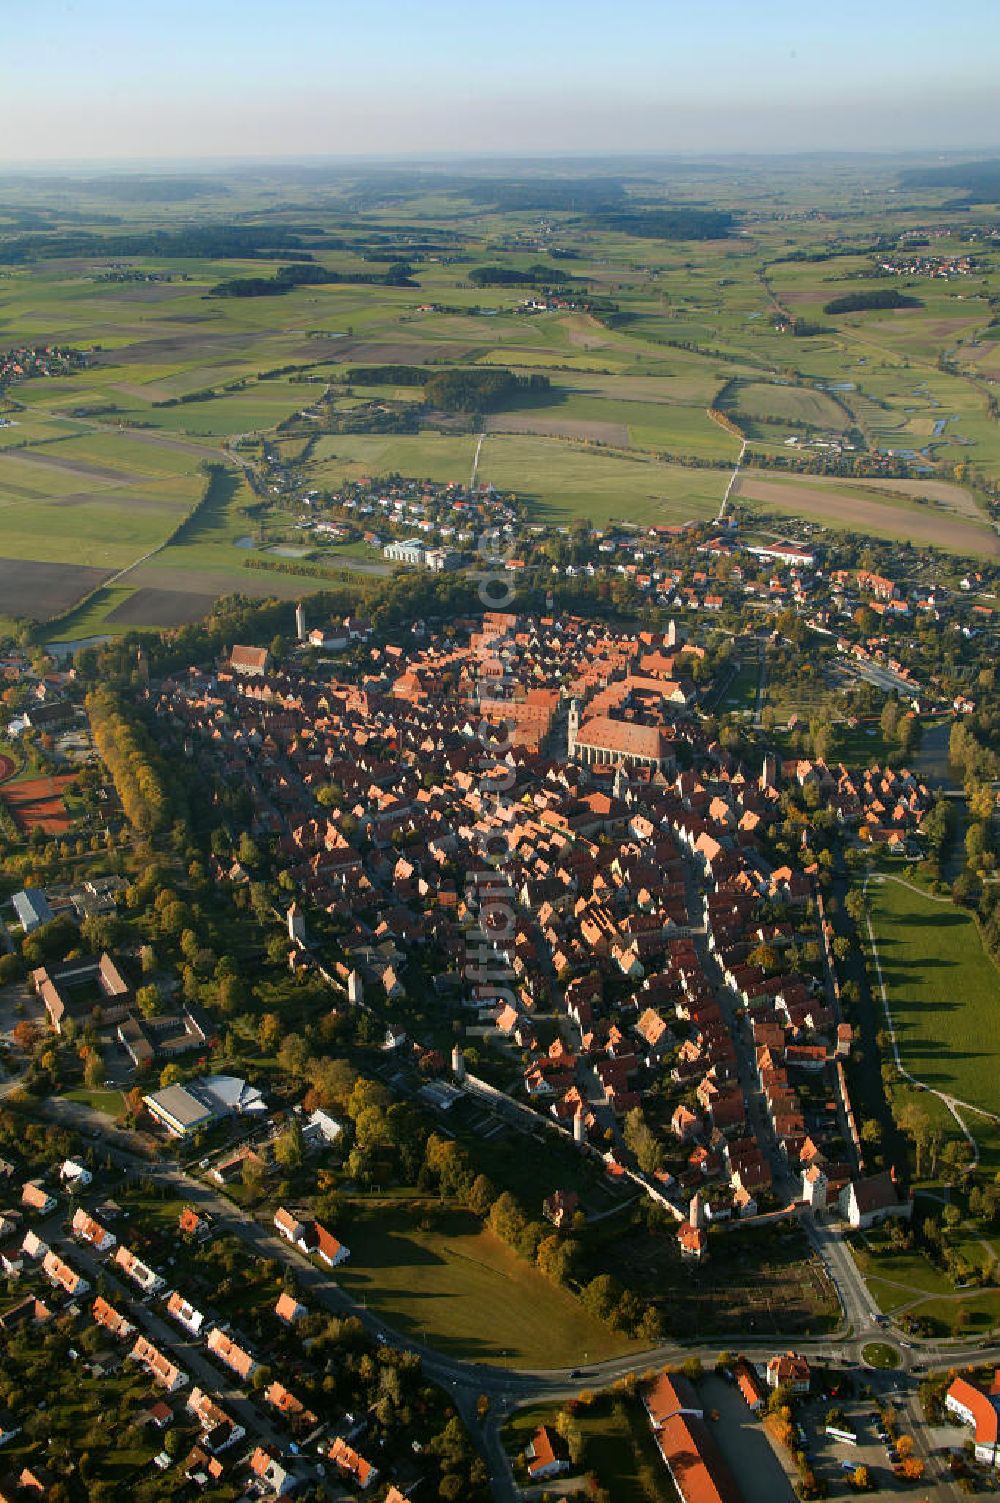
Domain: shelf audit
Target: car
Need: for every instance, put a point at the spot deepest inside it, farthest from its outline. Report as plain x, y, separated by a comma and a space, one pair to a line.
574, 1372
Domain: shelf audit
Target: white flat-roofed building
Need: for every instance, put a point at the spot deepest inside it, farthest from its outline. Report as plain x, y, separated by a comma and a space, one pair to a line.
410, 552
178, 1110
32, 909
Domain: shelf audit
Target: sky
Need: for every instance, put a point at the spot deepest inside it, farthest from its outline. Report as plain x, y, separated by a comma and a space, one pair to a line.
178, 79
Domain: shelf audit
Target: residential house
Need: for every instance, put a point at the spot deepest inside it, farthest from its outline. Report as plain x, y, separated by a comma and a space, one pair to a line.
148, 1280
234, 1357
351, 1465
865, 1202
89, 1230
789, 1370
107, 1316
270, 1472
545, 1454
185, 1314
63, 1276
160, 1368
218, 1430
288, 1309
34, 1197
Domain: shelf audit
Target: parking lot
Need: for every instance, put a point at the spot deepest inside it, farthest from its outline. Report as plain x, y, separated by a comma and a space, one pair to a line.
743, 1441
835, 1460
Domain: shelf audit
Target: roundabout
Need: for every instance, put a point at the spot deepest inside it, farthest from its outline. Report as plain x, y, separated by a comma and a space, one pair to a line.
881, 1355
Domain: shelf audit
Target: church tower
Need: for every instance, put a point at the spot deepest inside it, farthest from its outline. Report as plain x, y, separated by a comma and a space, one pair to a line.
572, 729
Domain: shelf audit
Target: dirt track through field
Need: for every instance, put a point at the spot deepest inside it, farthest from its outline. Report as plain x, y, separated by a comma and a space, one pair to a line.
863, 515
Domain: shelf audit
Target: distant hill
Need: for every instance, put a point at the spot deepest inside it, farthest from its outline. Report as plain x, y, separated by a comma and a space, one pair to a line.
980, 180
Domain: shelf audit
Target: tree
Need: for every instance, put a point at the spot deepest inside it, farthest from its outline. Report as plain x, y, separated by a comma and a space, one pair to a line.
232, 995
482, 1194
601, 1296
93, 1070
915, 1122
641, 1140
269, 1033
293, 1055
856, 905
289, 1148
767, 957
871, 1132
555, 1259
861, 1479
149, 1000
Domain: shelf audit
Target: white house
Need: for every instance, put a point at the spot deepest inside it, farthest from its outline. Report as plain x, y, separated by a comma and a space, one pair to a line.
89, 1230
292, 1229
541, 1456
75, 1175
865, 1202
185, 1314
814, 1187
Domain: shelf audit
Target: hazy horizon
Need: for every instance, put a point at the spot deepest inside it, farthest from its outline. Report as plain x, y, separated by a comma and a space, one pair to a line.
252, 81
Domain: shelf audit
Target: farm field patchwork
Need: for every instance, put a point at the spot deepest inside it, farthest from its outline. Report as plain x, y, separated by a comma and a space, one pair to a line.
95, 470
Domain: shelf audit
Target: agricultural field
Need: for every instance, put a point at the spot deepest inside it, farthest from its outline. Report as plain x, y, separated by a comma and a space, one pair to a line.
944, 516
100, 466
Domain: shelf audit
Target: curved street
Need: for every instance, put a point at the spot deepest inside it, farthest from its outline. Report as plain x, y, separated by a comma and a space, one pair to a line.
508, 1389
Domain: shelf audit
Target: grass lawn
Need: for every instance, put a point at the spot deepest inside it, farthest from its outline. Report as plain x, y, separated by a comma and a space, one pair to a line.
742, 691
944, 992
109, 1102
981, 1314
436, 1274
880, 1354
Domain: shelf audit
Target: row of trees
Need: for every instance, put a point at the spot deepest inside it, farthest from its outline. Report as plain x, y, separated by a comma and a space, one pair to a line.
129, 756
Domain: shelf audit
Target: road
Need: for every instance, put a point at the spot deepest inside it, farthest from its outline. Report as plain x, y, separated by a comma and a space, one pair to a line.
506, 1388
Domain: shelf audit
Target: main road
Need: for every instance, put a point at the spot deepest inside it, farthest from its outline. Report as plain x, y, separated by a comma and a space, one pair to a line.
507, 1389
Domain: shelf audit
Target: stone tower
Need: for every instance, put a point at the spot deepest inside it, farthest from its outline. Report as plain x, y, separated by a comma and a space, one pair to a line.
572, 729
